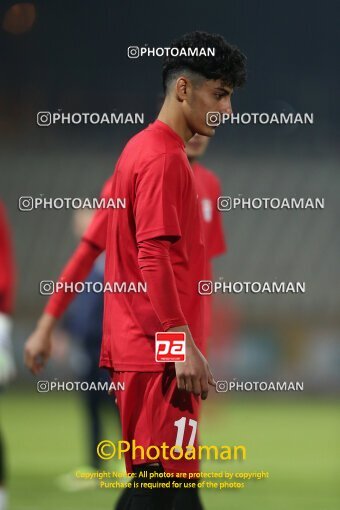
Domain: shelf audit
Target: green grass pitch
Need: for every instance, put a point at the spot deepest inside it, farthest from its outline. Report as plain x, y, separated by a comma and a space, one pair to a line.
296, 440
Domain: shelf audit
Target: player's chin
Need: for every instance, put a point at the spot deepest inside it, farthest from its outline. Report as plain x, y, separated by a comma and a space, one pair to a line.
206, 130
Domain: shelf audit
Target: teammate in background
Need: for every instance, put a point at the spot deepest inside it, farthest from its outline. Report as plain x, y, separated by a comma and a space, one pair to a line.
82, 323
208, 189
7, 367
159, 237
92, 244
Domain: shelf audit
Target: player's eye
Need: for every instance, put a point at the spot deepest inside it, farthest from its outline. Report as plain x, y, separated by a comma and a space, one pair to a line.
219, 95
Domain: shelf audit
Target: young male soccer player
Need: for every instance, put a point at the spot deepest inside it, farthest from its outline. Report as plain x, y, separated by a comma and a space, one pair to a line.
158, 237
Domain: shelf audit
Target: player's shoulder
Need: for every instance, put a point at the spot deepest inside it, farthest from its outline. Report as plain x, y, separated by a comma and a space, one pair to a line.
151, 142
152, 152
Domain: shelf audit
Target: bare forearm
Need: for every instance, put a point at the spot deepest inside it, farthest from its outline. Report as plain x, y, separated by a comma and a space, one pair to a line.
46, 323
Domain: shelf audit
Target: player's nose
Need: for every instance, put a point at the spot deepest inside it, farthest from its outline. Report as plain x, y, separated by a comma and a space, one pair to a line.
226, 107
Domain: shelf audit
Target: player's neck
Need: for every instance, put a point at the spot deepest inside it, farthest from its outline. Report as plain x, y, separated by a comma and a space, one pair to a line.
173, 117
192, 161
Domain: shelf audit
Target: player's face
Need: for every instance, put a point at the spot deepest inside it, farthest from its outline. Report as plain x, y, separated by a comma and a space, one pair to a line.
209, 96
196, 146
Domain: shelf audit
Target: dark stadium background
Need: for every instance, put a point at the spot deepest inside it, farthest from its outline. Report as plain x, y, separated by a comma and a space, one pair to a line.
74, 58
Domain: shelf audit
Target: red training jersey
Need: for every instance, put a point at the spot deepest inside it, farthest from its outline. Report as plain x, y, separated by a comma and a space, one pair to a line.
209, 189
154, 176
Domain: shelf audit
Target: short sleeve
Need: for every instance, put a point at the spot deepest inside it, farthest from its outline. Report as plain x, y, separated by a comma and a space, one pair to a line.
158, 198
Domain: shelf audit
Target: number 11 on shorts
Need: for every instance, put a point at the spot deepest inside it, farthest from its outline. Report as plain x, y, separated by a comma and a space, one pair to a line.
180, 425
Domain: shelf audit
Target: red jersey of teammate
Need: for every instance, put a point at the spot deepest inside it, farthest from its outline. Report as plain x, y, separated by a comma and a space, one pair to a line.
6, 265
154, 176
209, 189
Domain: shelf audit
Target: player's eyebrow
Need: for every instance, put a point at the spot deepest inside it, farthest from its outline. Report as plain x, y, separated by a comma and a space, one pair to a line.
225, 90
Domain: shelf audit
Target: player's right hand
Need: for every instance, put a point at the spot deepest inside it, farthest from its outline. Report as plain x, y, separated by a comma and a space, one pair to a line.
37, 350
193, 374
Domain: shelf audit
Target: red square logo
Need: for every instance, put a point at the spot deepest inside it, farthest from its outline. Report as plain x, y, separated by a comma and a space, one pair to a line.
170, 346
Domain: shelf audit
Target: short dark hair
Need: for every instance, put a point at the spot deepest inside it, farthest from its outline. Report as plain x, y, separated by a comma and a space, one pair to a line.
228, 63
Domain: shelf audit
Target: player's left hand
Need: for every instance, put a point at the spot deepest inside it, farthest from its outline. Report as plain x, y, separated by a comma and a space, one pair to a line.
193, 374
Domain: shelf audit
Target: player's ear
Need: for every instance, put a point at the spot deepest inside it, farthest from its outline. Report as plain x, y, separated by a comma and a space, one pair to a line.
181, 88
